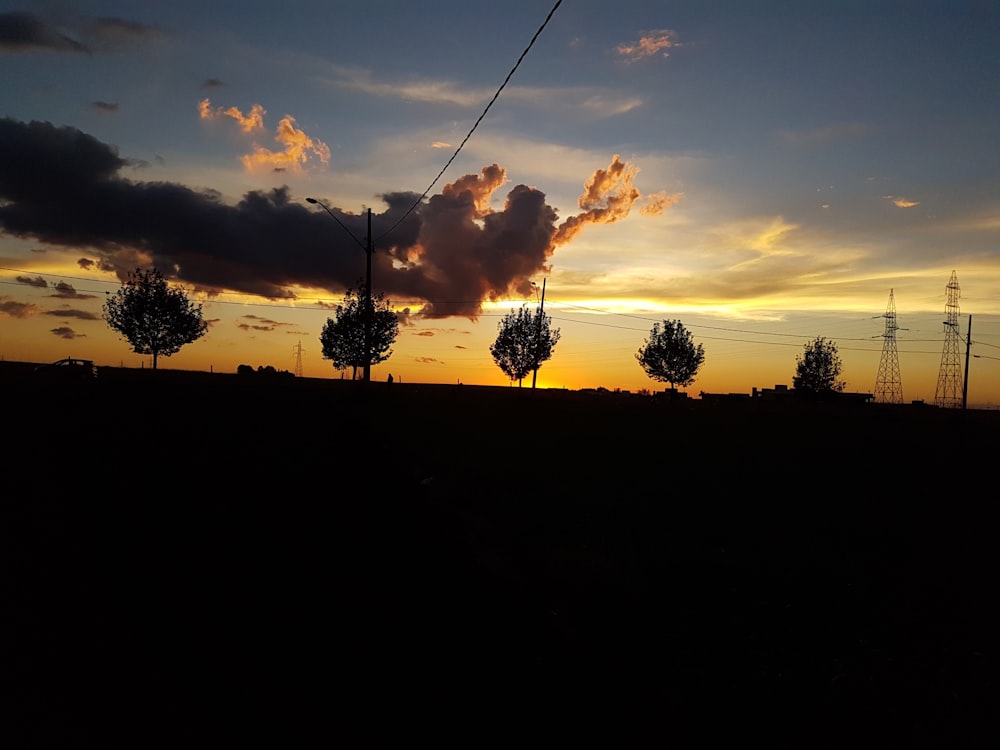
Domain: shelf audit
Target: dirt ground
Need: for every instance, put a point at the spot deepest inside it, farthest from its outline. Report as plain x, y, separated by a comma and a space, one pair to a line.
210, 560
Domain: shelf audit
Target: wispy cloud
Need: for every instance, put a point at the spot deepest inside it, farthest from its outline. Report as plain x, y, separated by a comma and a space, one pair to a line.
65, 290
70, 313
826, 135
65, 332
13, 309
30, 32
591, 100
250, 122
26, 32
38, 281
256, 323
650, 44
104, 107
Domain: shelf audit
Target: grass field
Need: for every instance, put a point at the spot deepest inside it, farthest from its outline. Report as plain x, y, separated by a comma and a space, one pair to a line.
195, 559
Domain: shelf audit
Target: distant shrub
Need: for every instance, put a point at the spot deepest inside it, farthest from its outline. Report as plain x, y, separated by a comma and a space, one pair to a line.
263, 371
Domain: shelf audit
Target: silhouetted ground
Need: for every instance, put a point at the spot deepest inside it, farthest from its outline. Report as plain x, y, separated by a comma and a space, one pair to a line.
212, 560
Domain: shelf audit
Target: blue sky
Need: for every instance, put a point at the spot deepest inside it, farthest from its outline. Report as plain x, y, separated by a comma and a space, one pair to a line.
765, 172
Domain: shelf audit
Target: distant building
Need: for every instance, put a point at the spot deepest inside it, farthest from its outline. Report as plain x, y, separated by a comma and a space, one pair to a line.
785, 394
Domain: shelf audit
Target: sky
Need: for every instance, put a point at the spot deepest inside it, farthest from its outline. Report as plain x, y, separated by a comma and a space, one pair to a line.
766, 173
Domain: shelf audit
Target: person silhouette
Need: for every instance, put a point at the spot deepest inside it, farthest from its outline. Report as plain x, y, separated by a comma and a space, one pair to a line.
390, 377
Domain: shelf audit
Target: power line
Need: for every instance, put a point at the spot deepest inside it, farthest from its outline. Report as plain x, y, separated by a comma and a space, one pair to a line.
476, 124
311, 307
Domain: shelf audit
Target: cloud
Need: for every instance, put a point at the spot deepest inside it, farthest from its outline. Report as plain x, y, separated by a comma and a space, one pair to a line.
108, 34
13, 309
298, 147
38, 281
28, 32
449, 253
65, 290
610, 105
104, 107
68, 313
650, 44
608, 197
591, 101
259, 324
901, 202
21, 32
435, 92
827, 135
248, 123
65, 332
657, 203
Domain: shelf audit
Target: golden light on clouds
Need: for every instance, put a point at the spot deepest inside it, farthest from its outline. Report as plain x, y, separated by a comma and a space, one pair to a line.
12, 309
650, 43
657, 203
481, 189
248, 123
902, 202
298, 147
608, 196
771, 239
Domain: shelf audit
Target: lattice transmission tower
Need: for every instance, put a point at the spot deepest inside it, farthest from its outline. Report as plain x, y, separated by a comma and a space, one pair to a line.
949, 384
298, 359
888, 384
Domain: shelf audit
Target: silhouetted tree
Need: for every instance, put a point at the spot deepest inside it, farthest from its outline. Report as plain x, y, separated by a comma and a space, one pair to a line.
525, 340
343, 337
817, 368
153, 317
670, 355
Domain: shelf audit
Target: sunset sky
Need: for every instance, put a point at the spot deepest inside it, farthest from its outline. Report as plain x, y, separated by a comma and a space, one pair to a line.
764, 172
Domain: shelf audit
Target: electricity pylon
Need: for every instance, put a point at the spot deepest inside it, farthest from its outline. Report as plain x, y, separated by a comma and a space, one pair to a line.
298, 359
888, 384
949, 384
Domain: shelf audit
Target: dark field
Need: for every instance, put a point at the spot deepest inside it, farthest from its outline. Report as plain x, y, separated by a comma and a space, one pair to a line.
208, 560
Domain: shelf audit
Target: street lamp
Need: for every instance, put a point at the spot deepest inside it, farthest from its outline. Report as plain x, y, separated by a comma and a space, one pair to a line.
538, 342
367, 247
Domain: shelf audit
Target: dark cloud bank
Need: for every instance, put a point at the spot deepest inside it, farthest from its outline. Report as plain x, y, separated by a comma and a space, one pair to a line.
64, 187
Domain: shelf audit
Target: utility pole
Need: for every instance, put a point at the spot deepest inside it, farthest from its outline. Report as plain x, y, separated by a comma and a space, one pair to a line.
538, 342
369, 249
965, 380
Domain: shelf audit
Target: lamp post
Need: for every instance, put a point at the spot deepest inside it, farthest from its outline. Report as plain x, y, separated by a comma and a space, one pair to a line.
538, 342
369, 249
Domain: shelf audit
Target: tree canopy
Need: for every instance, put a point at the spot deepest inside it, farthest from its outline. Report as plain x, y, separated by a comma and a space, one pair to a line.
153, 317
818, 367
524, 340
670, 355
343, 337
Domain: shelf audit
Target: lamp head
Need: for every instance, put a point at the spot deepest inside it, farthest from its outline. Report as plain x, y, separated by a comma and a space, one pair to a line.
311, 200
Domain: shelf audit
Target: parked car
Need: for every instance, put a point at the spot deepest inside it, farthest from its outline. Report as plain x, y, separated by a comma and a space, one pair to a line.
69, 368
